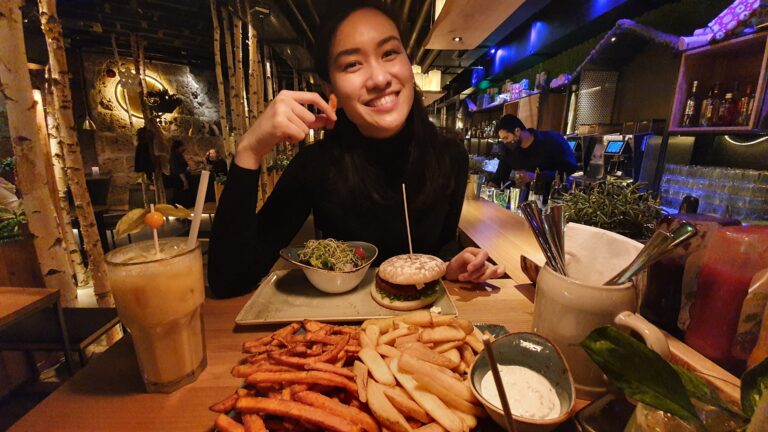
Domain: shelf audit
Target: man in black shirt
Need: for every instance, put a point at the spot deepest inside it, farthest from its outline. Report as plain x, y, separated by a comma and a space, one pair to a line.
526, 150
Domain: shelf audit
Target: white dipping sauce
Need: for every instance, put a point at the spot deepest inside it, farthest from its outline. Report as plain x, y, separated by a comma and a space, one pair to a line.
530, 395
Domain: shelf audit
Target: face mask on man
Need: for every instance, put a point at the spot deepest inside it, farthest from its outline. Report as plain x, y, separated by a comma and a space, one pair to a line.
510, 139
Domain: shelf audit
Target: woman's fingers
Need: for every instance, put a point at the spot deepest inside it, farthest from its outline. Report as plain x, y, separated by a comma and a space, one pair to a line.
292, 129
312, 98
478, 261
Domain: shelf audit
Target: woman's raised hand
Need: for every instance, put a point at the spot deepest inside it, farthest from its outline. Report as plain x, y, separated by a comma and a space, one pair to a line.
285, 119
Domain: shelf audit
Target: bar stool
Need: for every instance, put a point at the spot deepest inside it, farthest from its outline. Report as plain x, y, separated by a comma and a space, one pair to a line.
37, 332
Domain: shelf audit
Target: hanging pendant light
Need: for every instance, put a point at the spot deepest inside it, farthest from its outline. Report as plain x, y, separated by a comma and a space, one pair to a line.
88, 123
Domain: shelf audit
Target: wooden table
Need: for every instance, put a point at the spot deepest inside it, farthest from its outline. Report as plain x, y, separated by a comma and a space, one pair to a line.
17, 303
108, 393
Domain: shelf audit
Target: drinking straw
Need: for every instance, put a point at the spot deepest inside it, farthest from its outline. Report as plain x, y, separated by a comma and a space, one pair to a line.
197, 216
499, 384
407, 223
154, 231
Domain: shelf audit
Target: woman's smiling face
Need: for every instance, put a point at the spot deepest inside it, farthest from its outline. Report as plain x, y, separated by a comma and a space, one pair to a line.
370, 73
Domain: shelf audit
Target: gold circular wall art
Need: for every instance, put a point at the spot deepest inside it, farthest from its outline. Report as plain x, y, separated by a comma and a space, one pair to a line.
133, 105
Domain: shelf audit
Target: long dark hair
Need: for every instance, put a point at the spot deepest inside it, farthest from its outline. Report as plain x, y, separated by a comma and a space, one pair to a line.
428, 165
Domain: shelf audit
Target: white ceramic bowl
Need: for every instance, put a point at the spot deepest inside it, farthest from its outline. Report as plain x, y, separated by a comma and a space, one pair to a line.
534, 352
329, 281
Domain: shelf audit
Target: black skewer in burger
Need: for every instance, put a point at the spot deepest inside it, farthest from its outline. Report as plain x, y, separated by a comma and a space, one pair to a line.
408, 282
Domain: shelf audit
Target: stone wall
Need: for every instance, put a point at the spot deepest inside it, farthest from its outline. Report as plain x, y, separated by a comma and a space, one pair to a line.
195, 122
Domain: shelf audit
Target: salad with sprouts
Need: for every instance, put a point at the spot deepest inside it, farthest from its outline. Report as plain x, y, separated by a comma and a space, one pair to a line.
330, 254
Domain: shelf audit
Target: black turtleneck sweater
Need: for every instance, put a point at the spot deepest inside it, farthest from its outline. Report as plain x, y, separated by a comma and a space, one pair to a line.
245, 244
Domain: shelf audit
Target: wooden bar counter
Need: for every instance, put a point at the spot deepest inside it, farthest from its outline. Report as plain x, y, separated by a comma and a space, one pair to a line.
108, 394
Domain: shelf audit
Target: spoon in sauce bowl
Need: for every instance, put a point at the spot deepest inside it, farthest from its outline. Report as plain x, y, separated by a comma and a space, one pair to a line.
499, 384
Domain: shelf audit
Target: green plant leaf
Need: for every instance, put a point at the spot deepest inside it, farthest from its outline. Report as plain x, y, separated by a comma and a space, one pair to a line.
170, 211
640, 372
132, 222
754, 384
699, 389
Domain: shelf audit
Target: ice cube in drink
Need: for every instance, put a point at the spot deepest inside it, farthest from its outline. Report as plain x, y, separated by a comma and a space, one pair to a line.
159, 299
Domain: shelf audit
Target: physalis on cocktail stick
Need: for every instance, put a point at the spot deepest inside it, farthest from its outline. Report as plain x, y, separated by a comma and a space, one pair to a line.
135, 220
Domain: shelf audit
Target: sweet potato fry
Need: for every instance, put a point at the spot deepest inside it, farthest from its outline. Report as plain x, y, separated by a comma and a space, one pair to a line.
330, 368
244, 371
389, 417
312, 326
342, 359
225, 424
376, 366
297, 411
224, 406
288, 330
361, 379
332, 406
406, 405
302, 377
301, 361
442, 334
253, 423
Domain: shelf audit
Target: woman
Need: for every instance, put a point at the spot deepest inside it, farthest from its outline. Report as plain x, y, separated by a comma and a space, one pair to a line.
215, 164
351, 181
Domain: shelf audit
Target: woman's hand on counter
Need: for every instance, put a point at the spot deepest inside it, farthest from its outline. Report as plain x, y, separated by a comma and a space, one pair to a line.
471, 265
285, 119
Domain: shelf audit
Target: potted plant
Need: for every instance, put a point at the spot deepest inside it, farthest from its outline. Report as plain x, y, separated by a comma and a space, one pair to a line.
476, 177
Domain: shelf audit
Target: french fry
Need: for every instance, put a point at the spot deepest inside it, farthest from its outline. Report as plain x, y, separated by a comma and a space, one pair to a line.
421, 318
442, 334
337, 408
377, 367
389, 417
442, 320
384, 324
388, 338
365, 341
403, 402
466, 355
225, 424
302, 377
420, 351
475, 343
416, 367
431, 427
330, 368
446, 396
373, 333
429, 402
253, 423
361, 378
464, 325
296, 410
454, 355
468, 419
413, 337
445, 346
388, 351
225, 405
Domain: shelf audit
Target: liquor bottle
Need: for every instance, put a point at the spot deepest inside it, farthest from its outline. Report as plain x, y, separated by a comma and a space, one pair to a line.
705, 113
690, 118
712, 107
537, 189
745, 106
727, 110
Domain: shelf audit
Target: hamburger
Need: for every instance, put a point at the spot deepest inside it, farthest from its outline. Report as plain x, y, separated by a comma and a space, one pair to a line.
408, 282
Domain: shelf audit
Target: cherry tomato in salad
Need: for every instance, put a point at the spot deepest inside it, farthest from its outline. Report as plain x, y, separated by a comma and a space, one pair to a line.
360, 253
154, 219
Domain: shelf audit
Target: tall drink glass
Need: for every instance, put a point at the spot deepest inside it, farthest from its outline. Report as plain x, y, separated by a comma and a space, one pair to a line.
159, 298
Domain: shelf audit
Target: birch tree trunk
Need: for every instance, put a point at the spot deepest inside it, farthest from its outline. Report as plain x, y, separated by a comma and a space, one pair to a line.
255, 72
229, 148
30, 169
233, 95
74, 162
242, 105
60, 180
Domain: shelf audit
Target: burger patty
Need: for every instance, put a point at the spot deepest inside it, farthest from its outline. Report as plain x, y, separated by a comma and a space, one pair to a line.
405, 292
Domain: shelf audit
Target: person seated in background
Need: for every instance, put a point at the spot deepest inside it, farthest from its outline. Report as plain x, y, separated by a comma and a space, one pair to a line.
183, 194
215, 164
526, 150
